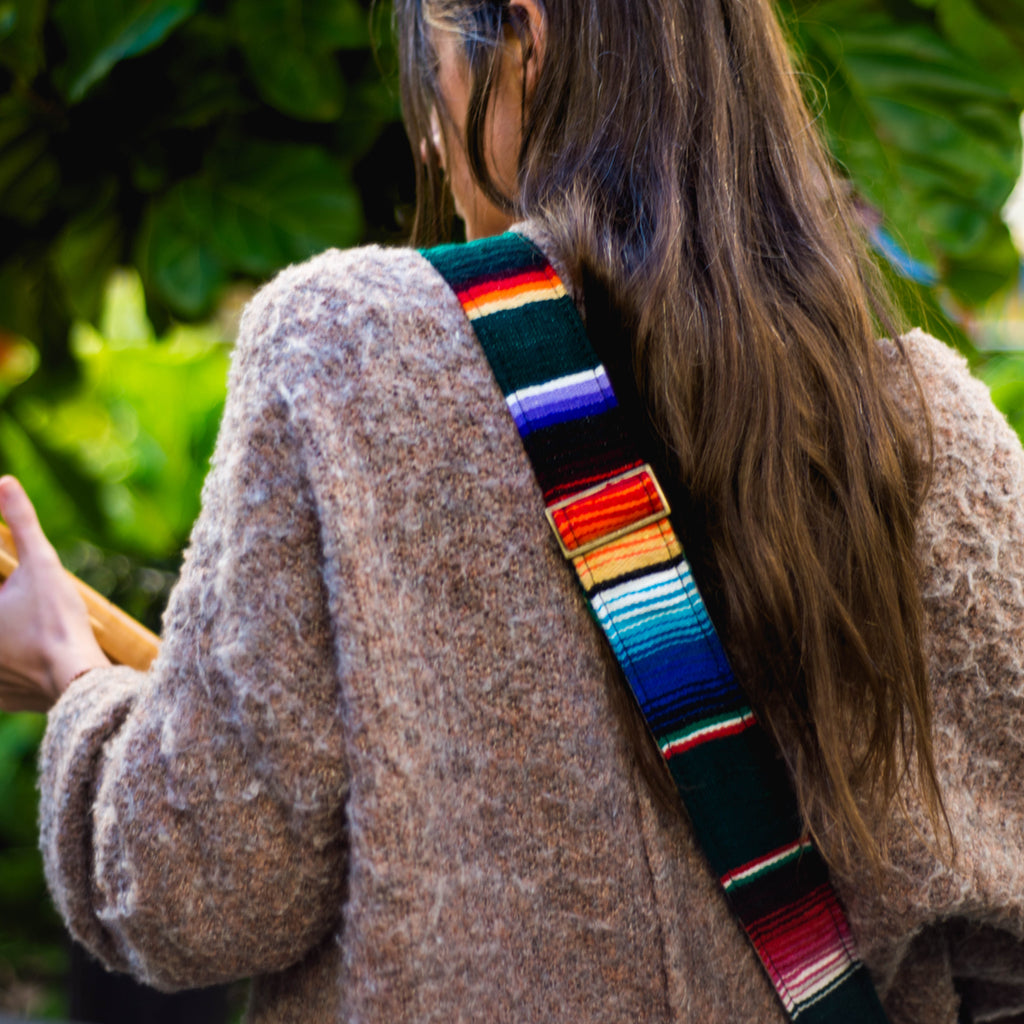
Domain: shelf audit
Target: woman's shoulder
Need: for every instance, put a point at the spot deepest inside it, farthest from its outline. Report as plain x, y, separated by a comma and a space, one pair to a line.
345, 300
977, 463
961, 412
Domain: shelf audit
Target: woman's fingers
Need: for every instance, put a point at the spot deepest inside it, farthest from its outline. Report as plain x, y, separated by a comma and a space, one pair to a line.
20, 515
46, 638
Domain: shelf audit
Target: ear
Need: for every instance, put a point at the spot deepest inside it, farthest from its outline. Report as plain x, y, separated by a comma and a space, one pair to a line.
533, 23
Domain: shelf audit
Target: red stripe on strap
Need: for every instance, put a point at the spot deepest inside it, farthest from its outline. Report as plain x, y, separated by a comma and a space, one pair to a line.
611, 509
488, 291
804, 944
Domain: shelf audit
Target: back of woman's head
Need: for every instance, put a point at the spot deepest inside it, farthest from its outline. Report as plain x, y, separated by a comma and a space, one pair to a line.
669, 152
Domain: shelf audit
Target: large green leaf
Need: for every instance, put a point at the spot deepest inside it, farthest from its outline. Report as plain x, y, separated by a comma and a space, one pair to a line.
997, 44
309, 86
99, 33
928, 135
290, 47
255, 208
176, 255
1008, 14
313, 26
21, 36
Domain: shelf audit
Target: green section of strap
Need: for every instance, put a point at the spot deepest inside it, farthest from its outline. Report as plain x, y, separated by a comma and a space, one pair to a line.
533, 344
738, 796
548, 343
853, 1001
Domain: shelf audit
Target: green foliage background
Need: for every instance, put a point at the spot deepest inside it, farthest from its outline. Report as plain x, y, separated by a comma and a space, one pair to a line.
158, 155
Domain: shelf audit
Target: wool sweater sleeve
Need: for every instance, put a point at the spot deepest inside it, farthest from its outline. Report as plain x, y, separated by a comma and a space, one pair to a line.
974, 606
936, 931
192, 818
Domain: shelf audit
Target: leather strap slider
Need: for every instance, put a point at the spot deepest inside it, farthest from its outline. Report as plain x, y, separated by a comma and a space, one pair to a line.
601, 514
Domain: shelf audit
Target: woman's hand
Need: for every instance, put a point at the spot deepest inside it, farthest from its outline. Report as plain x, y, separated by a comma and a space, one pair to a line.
45, 636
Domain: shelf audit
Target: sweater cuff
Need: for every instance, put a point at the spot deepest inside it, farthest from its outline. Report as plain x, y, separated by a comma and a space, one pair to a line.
71, 760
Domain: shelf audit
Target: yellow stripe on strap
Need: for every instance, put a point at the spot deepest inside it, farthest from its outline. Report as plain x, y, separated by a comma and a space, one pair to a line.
513, 298
646, 548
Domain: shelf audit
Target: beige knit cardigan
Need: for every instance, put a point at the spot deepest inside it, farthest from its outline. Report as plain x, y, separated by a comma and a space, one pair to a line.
375, 765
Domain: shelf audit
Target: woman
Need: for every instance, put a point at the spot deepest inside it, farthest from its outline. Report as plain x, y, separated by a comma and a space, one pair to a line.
384, 762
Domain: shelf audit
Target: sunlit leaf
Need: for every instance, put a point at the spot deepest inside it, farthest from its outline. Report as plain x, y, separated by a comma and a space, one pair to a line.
122, 455
985, 273
1004, 374
99, 33
65, 472
124, 323
84, 254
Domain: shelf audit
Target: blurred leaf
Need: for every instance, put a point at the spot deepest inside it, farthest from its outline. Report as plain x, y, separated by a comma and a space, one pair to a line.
320, 26
975, 280
928, 135
1008, 15
252, 210
124, 323
1004, 374
122, 455
65, 473
308, 86
175, 255
84, 254
18, 455
29, 174
21, 36
290, 47
369, 107
210, 96
19, 736
987, 41
99, 33
32, 305
19, 359
19, 299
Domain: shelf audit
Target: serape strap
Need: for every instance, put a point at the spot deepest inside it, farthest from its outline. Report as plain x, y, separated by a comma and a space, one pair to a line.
611, 520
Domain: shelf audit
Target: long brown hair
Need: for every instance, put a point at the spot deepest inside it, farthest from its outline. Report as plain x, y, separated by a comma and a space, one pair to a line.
672, 157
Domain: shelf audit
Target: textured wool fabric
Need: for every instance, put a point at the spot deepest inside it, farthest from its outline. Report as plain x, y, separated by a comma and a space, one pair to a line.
376, 765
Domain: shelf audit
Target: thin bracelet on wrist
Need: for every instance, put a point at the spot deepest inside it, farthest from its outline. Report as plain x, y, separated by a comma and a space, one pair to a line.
79, 674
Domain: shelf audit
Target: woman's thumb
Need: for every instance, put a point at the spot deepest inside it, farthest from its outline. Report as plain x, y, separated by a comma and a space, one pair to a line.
20, 516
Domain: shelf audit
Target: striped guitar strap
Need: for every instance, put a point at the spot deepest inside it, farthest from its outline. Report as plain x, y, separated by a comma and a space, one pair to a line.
611, 520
